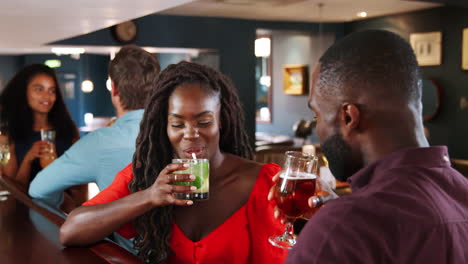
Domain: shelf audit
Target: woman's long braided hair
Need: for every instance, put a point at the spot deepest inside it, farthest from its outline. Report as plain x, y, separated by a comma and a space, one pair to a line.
154, 151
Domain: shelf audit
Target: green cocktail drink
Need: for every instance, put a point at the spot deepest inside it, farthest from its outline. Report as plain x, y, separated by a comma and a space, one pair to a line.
200, 168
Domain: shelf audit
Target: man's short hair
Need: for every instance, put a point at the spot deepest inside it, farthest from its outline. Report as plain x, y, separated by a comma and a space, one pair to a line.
376, 62
133, 71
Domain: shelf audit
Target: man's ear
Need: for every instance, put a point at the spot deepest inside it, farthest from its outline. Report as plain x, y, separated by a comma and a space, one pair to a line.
350, 117
114, 90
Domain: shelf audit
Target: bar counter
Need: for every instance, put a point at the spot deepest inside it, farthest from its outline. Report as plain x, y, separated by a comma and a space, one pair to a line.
29, 234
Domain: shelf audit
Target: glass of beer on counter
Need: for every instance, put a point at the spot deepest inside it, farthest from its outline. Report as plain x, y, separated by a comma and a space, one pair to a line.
49, 154
200, 168
296, 184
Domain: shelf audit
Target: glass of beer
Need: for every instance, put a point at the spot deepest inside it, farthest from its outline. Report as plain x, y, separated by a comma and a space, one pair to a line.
200, 168
49, 153
297, 183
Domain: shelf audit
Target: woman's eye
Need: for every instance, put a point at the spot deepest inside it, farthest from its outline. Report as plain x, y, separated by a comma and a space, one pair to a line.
177, 125
204, 123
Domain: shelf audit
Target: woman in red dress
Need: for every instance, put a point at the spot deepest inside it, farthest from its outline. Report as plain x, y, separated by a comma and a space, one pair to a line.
192, 109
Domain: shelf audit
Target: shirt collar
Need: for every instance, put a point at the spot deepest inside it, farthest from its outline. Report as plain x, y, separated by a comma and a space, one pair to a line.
436, 156
134, 115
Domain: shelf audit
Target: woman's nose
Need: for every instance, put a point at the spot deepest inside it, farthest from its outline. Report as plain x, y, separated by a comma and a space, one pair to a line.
46, 95
191, 132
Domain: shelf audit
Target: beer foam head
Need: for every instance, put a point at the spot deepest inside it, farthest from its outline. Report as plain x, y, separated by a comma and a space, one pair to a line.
298, 175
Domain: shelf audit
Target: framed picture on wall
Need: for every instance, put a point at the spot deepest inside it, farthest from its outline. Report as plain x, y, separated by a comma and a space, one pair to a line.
465, 49
427, 47
295, 79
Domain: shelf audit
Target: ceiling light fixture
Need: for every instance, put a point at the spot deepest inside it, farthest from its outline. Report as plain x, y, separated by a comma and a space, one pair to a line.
320, 26
262, 47
68, 51
362, 14
88, 118
109, 84
53, 63
87, 86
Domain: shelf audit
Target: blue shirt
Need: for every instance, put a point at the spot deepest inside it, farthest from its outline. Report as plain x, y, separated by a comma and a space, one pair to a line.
97, 157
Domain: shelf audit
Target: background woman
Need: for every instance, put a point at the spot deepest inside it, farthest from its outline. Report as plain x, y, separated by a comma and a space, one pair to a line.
193, 109
32, 101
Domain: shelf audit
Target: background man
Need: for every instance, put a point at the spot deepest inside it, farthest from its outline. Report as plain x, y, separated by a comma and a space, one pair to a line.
98, 156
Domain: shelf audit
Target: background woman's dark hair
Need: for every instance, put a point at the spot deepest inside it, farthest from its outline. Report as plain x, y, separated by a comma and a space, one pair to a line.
154, 151
16, 114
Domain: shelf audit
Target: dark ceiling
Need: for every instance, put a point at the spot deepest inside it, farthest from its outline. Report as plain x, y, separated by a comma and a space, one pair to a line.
460, 3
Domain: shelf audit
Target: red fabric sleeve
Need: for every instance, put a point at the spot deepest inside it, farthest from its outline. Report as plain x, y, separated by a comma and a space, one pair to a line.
118, 189
262, 224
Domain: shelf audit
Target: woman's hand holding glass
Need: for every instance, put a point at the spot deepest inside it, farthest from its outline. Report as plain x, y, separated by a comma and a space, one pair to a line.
48, 153
36, 150
4, 149
162, 190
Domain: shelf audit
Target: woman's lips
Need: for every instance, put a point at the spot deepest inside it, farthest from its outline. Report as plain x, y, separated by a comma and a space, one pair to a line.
197, 151
46, 104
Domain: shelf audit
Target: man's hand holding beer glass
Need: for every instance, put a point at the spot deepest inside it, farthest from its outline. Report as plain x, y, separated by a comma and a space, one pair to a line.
323, 194
298, 192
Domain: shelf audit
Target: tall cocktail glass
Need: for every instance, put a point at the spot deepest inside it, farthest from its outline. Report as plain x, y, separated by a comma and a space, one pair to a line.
49, 153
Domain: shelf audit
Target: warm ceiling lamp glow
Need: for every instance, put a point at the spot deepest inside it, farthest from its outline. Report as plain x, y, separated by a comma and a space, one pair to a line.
265, 80
109, 84
87, 86
362, 14
67, 51
53, 63
88, 118
262, 47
